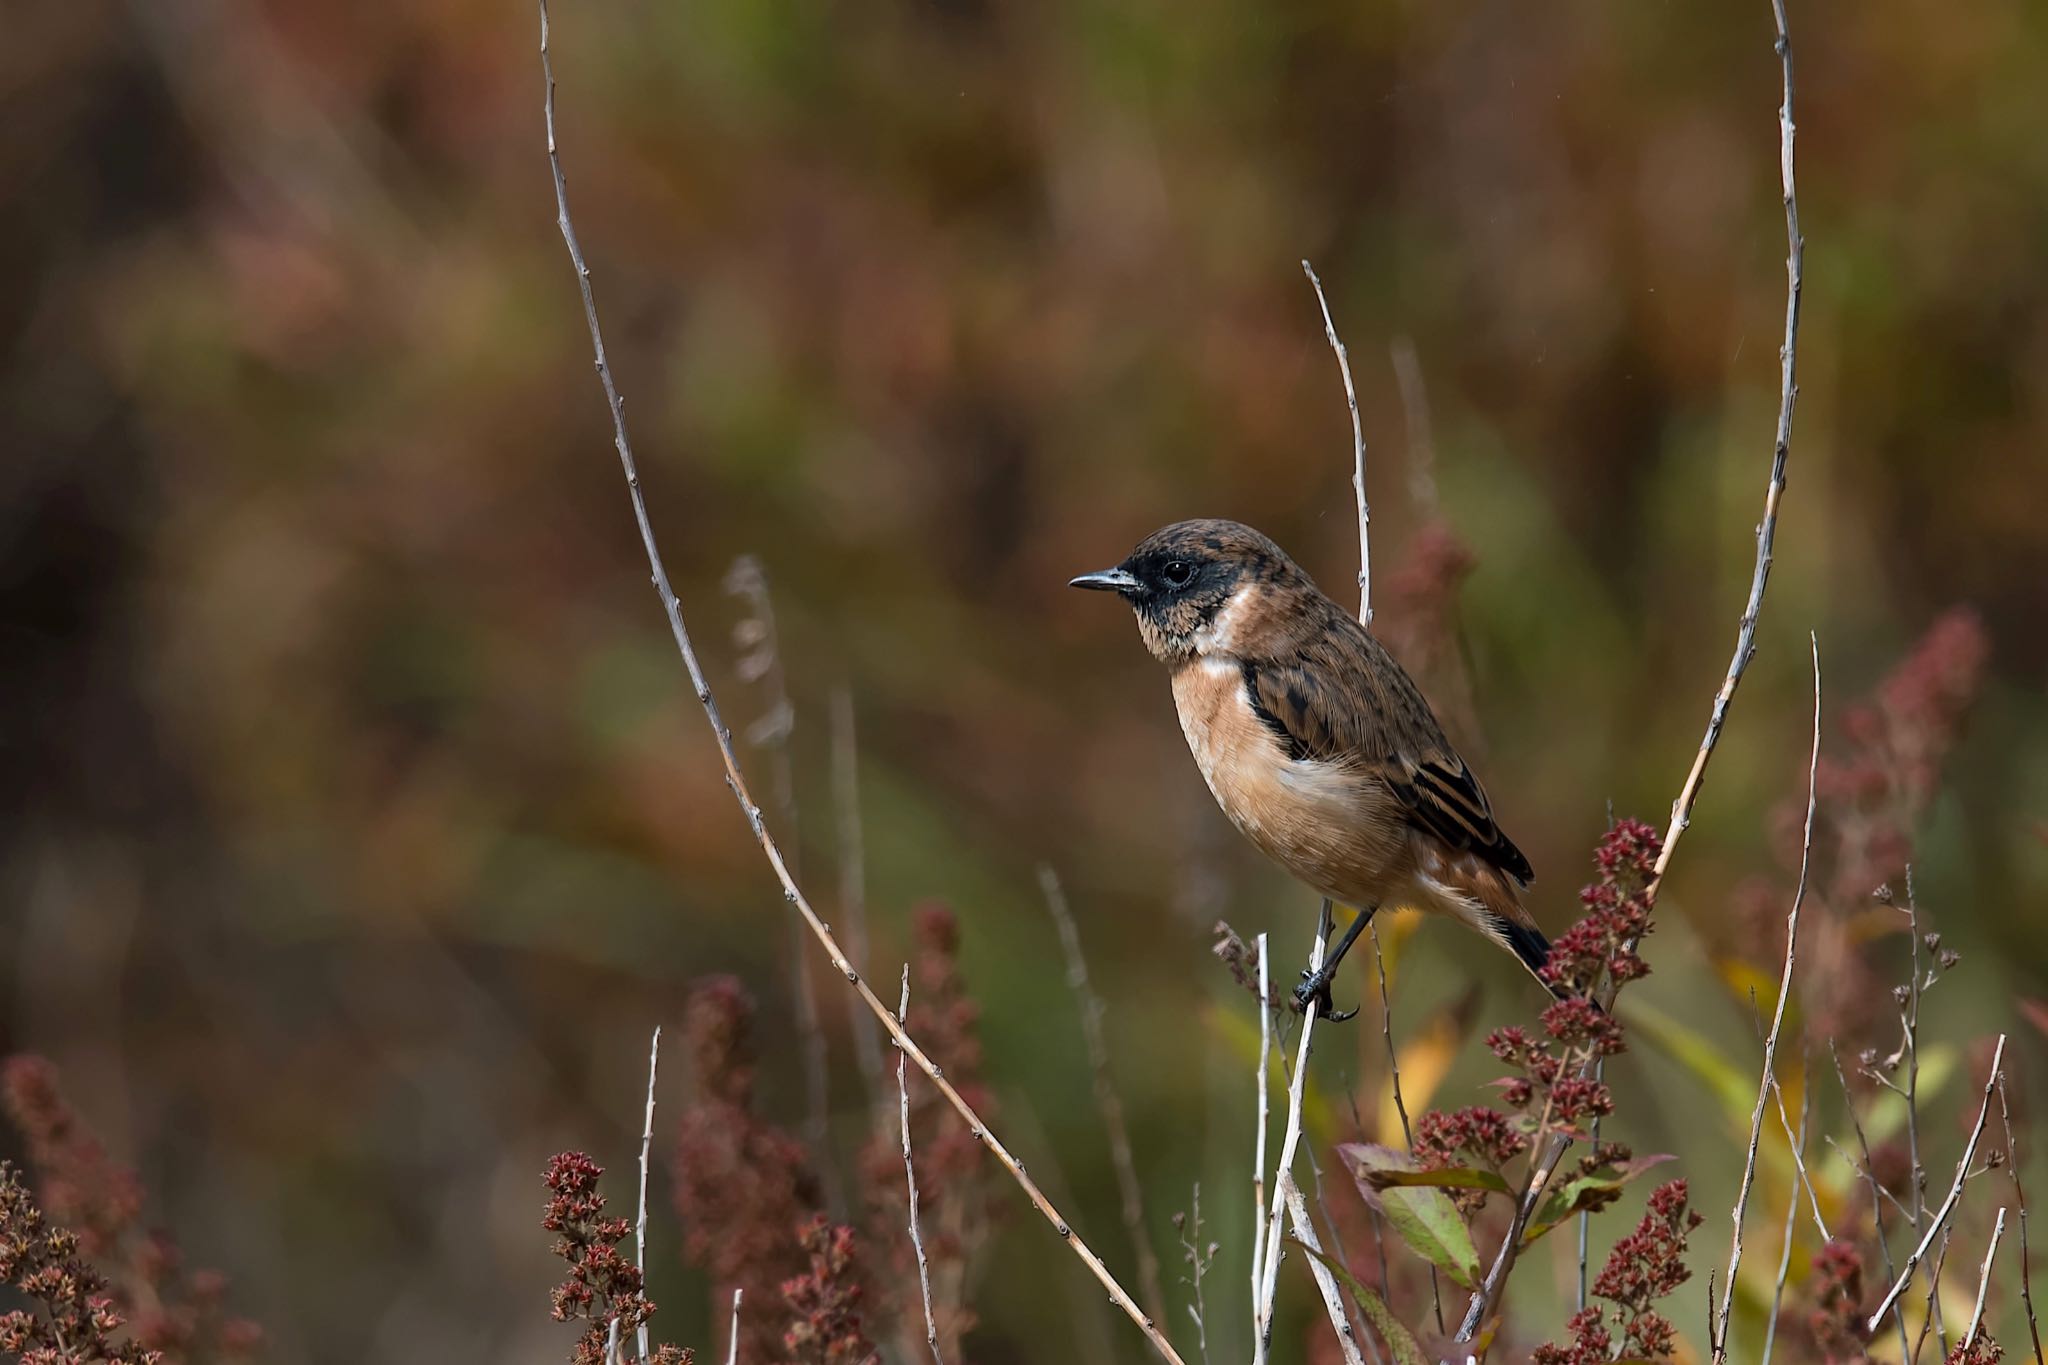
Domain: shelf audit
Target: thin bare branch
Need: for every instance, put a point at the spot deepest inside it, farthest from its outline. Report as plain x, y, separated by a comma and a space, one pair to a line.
853, 896
1955, 1192
1379, 963
1984, 1280
2019, 1194
736, 780
1326, 1283
924, 1273
1259, 1147
646, 1151
1290, 1140
1357, 452
1719, 1344
732, 1350
1107, 1100
1486, 1299
1878, 1193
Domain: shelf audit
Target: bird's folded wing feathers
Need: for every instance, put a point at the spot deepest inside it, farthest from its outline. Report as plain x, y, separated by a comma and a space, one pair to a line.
1392, 737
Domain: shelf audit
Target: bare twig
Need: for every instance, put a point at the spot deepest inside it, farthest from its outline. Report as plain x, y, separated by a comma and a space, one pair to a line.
1198, 1255
1764, 1086
1259, 1142
1955, 1192
1984, 1280
2019, 1194
1357, 452
1551, 1151
1878, 1193
646, 1149
735, 779
732, 1350
924, 1274
1107, 1100
853, 896
1290, 1139
1326, 1283
1791, 1224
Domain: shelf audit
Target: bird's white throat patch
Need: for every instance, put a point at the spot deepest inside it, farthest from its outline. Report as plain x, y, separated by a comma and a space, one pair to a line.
1220, 636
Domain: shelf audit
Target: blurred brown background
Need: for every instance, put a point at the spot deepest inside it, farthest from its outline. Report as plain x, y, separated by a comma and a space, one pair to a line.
359, 823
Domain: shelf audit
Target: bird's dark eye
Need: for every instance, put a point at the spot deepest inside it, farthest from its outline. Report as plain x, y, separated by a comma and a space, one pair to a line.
1178, 573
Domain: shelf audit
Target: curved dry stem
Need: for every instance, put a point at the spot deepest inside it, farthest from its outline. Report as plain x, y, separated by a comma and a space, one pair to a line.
736, 780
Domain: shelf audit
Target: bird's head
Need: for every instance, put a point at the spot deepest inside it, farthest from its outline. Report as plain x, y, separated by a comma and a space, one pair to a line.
1196, 586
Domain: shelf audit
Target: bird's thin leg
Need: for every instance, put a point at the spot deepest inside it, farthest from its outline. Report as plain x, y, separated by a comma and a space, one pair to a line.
1315, 986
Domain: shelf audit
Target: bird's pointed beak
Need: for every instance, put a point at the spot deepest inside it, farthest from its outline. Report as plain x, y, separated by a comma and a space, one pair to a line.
1106, 580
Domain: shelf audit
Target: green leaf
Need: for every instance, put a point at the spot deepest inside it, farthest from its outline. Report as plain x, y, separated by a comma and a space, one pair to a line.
1733, 1085
1584, 1191
1423, 1215
1401, 1341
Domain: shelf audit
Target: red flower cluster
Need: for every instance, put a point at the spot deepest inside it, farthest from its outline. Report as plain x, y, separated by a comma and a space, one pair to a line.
742, 1185
1603, 942
604, 1288
1476, 1136
1645, 1266
176, 1317
75, 1314
1981, 1350
1836, 1318
826, 1301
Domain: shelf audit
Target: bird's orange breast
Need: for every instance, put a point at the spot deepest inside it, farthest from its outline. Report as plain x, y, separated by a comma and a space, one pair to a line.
1333, 827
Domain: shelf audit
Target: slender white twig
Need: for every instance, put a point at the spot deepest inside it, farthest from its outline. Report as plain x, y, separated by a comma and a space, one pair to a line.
1984, 1280
1326, 1283
1107, 1101
732, 1350
1544, 1161
1259, 1149
1769, 1079
1878, 1193
1955, 1192
1357, 451
736, 779
646, 1150
924, 1273
853, 899
1290, 1139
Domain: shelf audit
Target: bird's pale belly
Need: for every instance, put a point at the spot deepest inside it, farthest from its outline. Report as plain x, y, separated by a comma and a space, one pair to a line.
1337, 830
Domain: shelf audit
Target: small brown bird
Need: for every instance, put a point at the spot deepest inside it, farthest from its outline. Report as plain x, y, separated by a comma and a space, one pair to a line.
1316, 744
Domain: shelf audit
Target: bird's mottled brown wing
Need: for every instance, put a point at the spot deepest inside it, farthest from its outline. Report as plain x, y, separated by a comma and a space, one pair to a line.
1343, 699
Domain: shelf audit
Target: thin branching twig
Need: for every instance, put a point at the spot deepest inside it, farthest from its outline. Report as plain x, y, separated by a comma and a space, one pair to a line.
1486, 1299
1719, 1343
1878, 1193
736, 780
2019, 1194
646, 1150
924, 1273
1955, 1192
1197, 1254
1107, 1101
1791, 1225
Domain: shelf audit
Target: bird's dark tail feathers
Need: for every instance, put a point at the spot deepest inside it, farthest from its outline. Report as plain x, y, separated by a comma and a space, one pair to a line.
1527, 943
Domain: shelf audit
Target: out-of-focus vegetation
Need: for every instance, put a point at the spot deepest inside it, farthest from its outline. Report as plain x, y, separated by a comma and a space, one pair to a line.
359, 822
